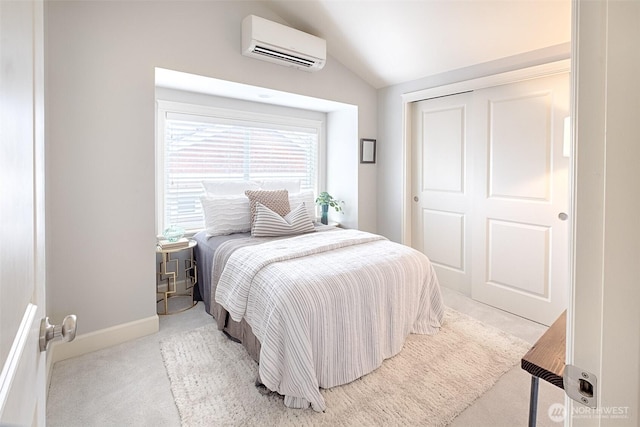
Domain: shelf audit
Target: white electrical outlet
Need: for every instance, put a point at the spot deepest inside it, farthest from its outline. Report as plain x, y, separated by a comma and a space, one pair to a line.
581, 385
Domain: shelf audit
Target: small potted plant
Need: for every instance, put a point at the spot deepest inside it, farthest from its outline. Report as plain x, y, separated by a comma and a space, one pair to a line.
326, 200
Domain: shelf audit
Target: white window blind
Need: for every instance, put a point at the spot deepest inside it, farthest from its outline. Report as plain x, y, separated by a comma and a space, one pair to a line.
204, 147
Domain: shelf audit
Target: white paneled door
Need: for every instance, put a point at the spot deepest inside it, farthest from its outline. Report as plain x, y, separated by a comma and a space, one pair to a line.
494, 216
22, 271
442, 192
521, 227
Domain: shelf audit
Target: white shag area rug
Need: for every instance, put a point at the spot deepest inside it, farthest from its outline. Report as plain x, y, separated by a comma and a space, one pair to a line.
431, 381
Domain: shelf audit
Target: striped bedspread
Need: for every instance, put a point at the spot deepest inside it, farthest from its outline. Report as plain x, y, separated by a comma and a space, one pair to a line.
328, 307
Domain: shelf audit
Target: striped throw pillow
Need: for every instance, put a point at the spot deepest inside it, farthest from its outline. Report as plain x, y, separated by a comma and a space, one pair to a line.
268, 223
306, 197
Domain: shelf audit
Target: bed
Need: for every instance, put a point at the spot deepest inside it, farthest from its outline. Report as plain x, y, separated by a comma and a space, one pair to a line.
318, 309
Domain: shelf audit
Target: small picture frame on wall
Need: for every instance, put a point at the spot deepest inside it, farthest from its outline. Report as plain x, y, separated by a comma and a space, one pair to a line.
367, 150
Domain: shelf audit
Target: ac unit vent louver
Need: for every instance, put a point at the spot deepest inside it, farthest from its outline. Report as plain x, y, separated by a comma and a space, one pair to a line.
282, 56
282, 45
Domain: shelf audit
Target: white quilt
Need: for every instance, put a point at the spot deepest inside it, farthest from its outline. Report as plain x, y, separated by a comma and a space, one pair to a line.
328, 307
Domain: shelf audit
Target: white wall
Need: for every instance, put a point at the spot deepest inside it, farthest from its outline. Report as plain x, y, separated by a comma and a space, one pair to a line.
342, 179
390, 176
100, 60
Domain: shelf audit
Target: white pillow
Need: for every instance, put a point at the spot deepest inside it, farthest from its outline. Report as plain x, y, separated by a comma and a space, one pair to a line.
308, 199
291, 185
226, 214
268, 223
228, 187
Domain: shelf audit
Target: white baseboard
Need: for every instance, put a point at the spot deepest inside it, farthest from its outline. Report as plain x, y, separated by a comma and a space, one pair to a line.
103, 338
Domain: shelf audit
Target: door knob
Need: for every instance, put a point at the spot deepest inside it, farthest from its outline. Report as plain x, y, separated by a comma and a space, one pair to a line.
66, 330
415, 198
563, 216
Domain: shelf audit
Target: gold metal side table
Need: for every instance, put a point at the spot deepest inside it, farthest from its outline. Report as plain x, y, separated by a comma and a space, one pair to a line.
168, 272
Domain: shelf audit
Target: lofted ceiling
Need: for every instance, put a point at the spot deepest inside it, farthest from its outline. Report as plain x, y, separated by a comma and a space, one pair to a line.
387, 42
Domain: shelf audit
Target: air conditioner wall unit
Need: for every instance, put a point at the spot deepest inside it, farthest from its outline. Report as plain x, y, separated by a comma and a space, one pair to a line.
274, 42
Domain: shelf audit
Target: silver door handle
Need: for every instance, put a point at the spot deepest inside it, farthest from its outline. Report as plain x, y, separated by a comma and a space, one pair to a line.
563, 216
415, 198
48, 332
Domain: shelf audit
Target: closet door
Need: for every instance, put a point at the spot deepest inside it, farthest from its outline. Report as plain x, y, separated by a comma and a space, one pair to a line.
521, 200
441, 187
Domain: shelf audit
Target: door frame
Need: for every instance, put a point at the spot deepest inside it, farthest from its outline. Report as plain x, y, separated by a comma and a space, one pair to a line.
544, 70
606, 231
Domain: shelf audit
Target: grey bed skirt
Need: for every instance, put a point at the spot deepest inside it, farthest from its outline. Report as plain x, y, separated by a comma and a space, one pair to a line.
238, 331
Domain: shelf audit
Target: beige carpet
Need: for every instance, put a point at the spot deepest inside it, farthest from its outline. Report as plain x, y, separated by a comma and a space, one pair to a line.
431, 381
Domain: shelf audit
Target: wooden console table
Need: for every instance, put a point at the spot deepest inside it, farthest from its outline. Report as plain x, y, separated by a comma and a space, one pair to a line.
546, 360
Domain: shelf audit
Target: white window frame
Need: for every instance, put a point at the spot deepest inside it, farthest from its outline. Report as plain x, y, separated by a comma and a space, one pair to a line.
164, 108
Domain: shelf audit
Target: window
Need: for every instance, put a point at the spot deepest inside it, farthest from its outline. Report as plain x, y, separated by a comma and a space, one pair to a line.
197, 143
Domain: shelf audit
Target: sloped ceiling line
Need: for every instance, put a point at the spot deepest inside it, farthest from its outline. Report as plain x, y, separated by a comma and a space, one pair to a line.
391, 42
